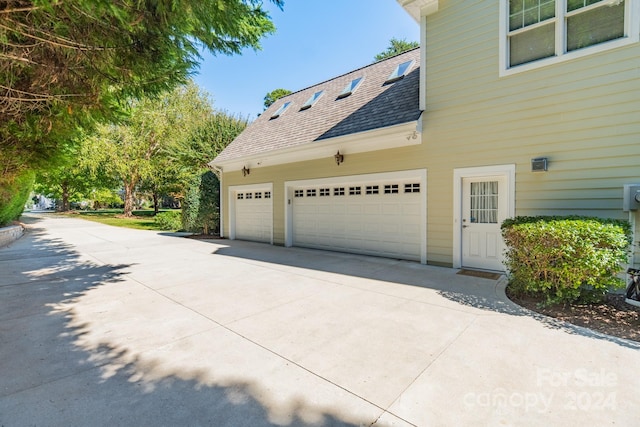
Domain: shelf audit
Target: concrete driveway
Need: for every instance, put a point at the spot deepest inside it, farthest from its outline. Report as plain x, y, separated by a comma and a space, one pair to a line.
105, 326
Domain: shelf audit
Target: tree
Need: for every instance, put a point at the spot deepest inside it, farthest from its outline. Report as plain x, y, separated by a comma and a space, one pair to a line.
396, 46
274, 95
147, 148
66, 64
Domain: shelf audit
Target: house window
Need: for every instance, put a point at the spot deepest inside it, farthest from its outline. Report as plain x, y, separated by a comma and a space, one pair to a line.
298, 193
311, 192
548, 31
399, 72
339, 191
350, 88
354, 191
325, 192
281, 110
312, 100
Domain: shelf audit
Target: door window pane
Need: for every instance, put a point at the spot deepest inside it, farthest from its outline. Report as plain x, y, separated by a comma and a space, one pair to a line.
484, 202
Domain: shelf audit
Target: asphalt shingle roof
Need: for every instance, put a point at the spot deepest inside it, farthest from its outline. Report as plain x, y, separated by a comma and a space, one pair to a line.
372, 106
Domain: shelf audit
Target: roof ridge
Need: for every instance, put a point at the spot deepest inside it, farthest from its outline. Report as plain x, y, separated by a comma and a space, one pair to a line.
349, 72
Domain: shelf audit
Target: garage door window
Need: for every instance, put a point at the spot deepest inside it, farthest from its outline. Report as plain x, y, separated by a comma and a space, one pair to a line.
338, 191
412, 188
325, 192
298, 193
354, 191
240, 196
311, 192
267, 194
258, 195
391, 189
373, 189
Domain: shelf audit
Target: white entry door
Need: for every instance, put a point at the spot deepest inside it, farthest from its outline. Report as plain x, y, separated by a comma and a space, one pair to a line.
484, 207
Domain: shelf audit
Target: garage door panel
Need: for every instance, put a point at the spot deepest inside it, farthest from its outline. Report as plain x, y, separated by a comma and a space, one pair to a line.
367, 220
253, 215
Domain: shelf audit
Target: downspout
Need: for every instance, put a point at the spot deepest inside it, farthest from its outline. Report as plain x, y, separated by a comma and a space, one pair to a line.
218, 171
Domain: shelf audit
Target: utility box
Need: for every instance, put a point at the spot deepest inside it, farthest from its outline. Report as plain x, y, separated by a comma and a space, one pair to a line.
631, 198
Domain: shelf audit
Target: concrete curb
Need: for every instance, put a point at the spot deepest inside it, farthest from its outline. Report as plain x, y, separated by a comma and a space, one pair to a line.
10, 234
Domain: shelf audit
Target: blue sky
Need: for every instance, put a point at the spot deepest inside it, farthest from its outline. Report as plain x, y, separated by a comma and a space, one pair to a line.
315, 40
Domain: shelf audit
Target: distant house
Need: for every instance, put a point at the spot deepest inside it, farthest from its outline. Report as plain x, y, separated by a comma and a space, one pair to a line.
508, 108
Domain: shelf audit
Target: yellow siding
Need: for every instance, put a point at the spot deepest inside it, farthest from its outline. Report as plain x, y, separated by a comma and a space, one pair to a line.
582, 114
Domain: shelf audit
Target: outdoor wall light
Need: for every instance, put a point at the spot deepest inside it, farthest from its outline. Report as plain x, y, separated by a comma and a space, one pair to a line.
539, 164
245, 171
339, 158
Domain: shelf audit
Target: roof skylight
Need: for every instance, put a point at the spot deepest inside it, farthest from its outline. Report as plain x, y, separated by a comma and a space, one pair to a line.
350, 88
399, 72
281, 110
312, 100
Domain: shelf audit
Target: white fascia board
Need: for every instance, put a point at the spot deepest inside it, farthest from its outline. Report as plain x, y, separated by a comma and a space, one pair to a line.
419, 8
402, 135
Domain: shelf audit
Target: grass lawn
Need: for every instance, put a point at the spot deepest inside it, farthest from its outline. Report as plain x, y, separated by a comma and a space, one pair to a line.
141, 220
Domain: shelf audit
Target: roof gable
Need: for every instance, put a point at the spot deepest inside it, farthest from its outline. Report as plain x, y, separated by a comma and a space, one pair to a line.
372, 106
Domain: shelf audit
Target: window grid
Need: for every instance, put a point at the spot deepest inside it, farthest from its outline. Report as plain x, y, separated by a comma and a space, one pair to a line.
391, 189
373, 189
484, 202
534, 24
412, 188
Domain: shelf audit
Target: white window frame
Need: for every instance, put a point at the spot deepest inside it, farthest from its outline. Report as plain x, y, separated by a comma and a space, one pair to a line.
631, 31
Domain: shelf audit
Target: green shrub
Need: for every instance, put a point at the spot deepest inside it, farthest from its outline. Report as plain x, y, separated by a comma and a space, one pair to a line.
565, 259
170, 220
200, 213
14, 195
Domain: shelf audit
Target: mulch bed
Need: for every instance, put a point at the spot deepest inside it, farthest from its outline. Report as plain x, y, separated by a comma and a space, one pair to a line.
613, 317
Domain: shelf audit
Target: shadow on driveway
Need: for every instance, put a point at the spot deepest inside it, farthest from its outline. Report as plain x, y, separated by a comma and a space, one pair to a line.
48, 379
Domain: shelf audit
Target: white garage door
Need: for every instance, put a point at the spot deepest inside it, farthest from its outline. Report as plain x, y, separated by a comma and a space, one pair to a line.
378, 218
253, 215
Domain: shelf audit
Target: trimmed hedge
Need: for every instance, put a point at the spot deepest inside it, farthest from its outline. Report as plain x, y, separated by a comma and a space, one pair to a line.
565, 259
14, 195
200, 212
170, 220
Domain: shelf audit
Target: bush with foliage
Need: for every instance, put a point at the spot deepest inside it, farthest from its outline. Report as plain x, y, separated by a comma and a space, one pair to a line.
565, 259
170, 220
200, 213
14, 195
